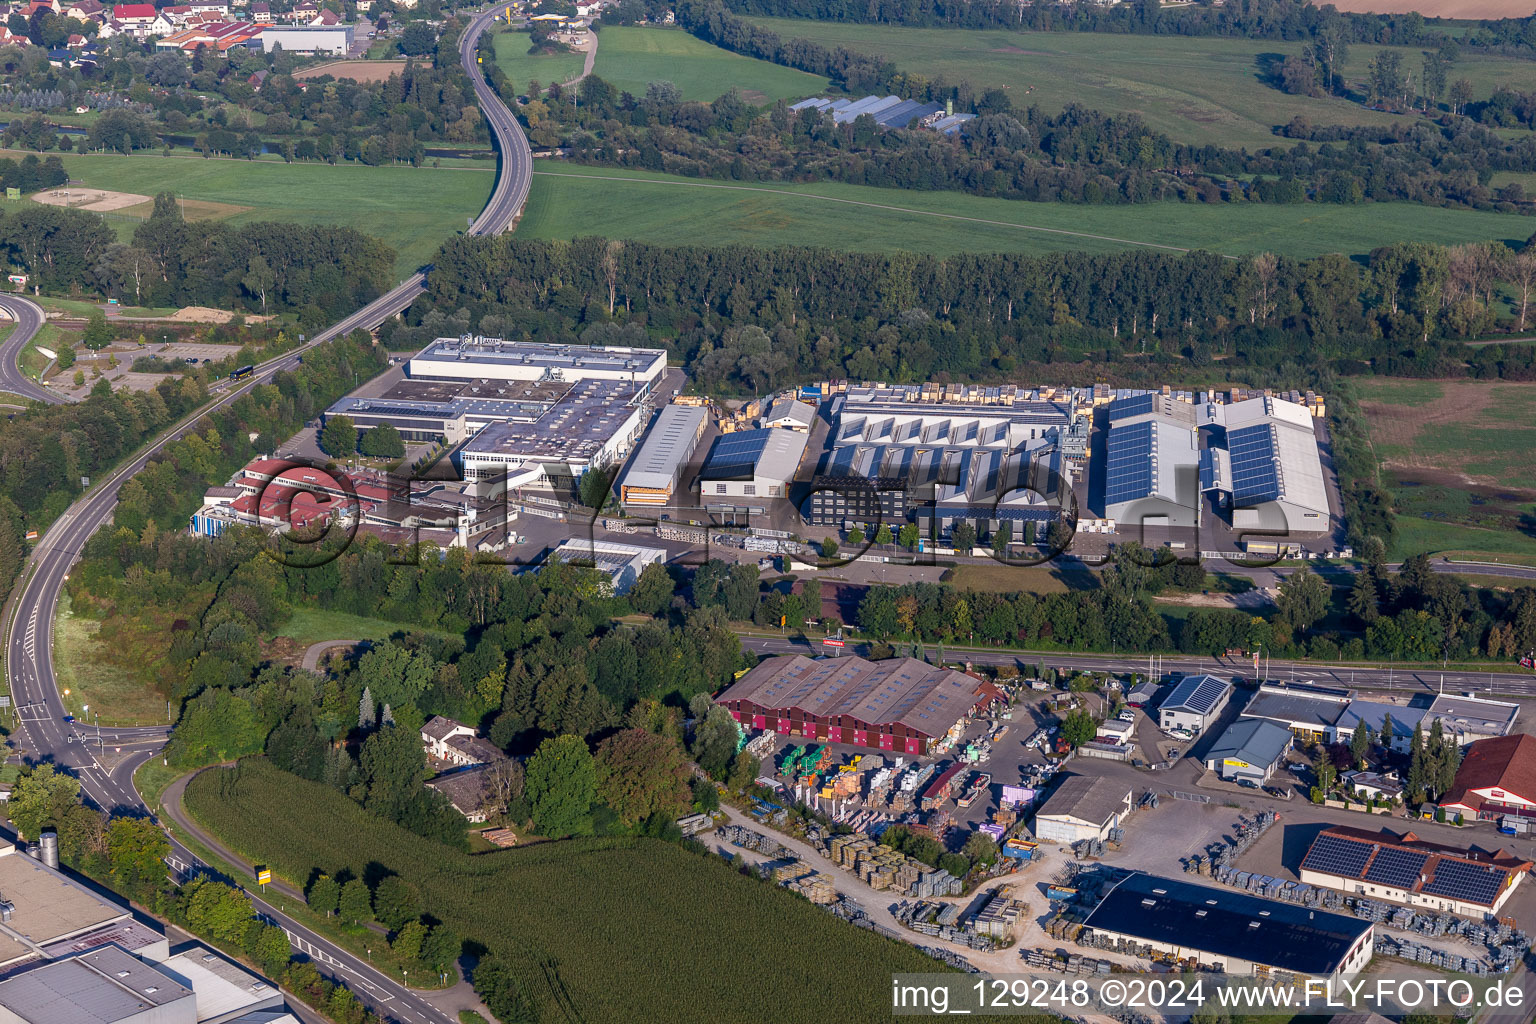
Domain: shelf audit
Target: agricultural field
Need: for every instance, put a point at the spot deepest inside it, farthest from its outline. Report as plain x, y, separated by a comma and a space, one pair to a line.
1460, 459
632, 58
596, 928
521, 67
569, 201
1201, 90
412, 208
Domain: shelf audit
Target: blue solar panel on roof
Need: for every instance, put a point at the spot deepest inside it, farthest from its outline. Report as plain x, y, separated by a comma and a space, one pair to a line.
1335, 855
1128, 466
1253, 464
1458, 879
736, 454
1394, 867
1136, 405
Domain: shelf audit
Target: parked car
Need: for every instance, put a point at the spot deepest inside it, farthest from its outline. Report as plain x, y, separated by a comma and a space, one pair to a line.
1247, 783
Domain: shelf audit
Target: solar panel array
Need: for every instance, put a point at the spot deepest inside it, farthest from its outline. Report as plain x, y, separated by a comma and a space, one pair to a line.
1135, 405
1397, 868
1457, 879
1130, 463
736, 455
1255, 465
1335, 855
1198, 694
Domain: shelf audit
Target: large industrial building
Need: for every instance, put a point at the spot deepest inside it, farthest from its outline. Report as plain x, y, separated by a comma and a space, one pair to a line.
940, 455
327, 39
71, 955
1257, 459
1230, 931
899, 704
654, 475
1407, 869
528, 414
749, 467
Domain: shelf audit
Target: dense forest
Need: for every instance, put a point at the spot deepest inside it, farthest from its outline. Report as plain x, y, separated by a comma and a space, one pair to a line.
316, 271
748, 320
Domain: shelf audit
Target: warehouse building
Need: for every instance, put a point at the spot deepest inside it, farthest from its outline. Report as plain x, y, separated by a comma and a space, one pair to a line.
1311, 712
899, 704
1082, 807
1470, 718
498, 359
1251, 750
939, 455
654, 474
1194, 704
751, 465
1407, 869
789, 414
1230, 931
1496, 781
325, 39
53, 915
1269, 472
621, 563
1152, 462
451, 410
592, 427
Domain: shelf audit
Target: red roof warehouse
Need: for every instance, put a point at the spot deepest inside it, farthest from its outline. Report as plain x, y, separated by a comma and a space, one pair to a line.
1497, 777
900, 704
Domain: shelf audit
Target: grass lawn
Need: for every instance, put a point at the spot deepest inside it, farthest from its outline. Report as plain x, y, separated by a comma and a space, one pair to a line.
84, 669
632, 58
412, 208
569, 200
1197, 90
521, 67
151, 778
1460, 458
997, 578
617, 924
312, 625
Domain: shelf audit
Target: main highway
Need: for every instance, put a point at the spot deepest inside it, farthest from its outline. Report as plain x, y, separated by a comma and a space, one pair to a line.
28, 318
42, 733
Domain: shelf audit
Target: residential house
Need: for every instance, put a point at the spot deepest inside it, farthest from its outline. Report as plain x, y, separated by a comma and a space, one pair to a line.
1373, 785
456, 743
325, 19
135, 19
85, 10
467, 789
261, 13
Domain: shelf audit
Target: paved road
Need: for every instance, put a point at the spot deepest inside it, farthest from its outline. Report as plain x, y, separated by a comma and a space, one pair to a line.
1414, 680
28, 317
43, 735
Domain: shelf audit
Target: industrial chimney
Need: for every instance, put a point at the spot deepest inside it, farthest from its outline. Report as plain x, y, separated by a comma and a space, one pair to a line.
49, 841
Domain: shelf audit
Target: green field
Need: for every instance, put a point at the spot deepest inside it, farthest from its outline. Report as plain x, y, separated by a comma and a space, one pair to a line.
521, 67
313, 625
568, 201
1460, 459
413, 209
1202, 90
629, 929
632, 58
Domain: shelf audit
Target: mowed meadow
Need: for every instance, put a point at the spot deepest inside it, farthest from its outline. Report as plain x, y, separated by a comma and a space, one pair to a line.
414, 209
1201, 90
631, 929
569, 200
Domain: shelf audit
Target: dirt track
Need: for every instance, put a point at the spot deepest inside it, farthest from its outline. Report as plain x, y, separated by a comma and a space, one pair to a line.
357, 70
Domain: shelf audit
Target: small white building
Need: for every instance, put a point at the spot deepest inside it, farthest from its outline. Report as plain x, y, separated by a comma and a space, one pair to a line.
1082, 807
456, 743
1194, 704
789, 414
621, 563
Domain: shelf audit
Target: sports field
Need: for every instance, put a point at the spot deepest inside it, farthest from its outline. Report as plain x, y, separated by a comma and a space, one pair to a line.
632, 58
1460, 457
413, 209
569, 200
521, 67
1196, 89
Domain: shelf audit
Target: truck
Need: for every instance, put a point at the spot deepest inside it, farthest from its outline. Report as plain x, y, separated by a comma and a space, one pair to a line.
977, 789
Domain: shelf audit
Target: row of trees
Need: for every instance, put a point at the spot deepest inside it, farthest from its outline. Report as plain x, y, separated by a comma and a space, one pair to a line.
320, 272
750, 319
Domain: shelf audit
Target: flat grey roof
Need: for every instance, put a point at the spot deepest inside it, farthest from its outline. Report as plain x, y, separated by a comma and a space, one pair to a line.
576, 427
50, 906
498, 352
99, 987
667, 445
1296, 708
1474, 712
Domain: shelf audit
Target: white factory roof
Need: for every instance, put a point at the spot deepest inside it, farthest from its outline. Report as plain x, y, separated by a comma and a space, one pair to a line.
1273, 453
222, 987
99, 987
475, 353
667, 445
